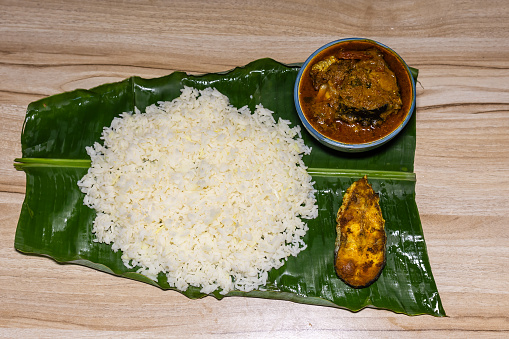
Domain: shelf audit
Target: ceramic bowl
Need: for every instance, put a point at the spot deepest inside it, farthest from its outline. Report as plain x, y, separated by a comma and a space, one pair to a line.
404, 78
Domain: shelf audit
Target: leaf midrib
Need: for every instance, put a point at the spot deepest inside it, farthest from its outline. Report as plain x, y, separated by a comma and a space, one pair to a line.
21, 163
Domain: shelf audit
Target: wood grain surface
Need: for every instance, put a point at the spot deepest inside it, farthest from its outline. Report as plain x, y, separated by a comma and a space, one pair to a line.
462, 158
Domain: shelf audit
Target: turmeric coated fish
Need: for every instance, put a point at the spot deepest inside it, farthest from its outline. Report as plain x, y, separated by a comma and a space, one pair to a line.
361, 239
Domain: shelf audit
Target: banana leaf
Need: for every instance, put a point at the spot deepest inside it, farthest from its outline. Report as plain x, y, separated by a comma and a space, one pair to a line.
55, 223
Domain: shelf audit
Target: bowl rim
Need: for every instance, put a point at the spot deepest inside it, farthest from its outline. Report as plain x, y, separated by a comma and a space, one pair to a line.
341, 145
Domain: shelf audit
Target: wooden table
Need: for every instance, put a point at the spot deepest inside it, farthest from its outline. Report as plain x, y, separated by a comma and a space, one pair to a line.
462, 158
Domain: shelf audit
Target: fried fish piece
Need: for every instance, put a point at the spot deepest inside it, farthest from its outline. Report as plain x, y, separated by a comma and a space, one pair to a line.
361, 239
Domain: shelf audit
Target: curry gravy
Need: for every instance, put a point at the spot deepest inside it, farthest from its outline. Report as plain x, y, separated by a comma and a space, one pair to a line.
356, 133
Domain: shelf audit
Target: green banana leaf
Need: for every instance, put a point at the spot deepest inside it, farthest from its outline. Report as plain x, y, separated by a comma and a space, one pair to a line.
55, 223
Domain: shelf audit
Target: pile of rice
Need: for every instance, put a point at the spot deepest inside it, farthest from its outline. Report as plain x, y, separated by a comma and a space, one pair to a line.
206, 193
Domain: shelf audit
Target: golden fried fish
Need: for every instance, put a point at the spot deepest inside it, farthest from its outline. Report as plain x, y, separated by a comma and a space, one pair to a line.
360, 241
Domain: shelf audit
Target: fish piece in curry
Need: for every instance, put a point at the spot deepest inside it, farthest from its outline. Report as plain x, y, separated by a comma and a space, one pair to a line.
356, 87
361, 239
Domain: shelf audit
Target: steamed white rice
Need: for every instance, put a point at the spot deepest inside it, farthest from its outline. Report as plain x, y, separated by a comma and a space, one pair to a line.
208, 194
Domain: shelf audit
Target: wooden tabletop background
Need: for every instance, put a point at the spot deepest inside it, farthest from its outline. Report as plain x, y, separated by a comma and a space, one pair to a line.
462, 158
